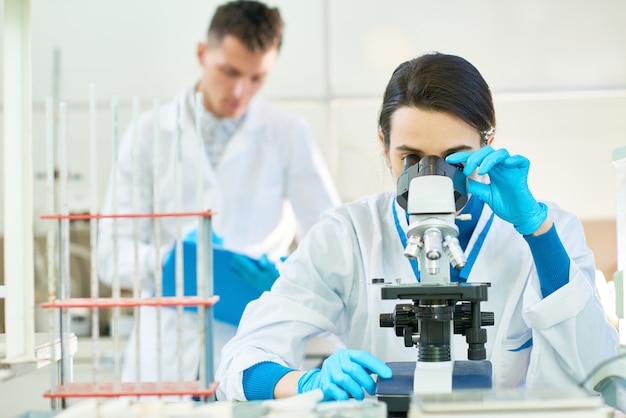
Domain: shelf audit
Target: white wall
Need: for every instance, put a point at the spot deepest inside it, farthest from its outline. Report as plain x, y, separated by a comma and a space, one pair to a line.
557, 69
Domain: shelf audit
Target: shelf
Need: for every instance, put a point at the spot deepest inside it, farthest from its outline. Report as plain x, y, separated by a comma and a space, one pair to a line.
116, 389
87, 216
131, 302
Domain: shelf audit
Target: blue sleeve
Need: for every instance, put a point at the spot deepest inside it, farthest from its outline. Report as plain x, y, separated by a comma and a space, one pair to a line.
551, 260
259, 380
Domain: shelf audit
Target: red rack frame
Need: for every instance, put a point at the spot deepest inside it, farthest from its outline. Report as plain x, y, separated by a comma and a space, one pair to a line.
120, 389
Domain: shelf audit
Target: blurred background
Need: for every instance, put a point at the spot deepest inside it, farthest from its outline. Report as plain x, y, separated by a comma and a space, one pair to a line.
557, 70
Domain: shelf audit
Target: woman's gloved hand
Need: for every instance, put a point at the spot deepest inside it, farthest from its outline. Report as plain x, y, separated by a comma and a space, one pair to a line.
346, 373
259, 273
507, 193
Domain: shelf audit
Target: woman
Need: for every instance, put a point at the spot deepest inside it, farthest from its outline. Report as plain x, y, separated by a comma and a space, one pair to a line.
550, 329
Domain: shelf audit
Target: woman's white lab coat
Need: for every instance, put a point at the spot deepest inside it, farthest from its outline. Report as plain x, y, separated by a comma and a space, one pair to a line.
270, 185
325, 285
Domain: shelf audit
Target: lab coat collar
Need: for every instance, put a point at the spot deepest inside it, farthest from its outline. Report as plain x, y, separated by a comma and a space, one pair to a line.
257, 115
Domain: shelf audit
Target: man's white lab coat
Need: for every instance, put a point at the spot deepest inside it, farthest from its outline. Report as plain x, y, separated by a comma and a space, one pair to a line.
270, 186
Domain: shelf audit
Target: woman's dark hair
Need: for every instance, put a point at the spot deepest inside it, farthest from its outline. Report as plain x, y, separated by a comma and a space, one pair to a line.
256, 25
443, 83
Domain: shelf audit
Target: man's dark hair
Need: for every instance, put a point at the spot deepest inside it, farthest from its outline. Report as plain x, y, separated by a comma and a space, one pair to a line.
256, 25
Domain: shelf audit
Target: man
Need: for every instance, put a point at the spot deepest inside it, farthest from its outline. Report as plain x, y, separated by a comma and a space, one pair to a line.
262, 175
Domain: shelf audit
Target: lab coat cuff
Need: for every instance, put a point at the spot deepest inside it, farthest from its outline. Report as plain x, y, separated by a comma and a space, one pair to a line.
260, 380
233, 388
565, 303
551, 260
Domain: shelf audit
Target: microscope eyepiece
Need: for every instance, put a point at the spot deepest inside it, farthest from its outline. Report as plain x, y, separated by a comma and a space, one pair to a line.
431, 165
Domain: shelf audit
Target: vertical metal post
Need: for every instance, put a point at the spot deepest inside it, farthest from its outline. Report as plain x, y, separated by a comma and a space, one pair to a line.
93, 231
156, 207
202, 247
56, 94
64, 248
115, 285
209, 373
18, 183
135, 202
180, 275
51, 247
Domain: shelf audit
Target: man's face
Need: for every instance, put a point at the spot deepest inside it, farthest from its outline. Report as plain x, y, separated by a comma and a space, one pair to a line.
232, 75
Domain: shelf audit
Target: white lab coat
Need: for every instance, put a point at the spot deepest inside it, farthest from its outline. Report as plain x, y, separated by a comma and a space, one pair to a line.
325, 286
269, 187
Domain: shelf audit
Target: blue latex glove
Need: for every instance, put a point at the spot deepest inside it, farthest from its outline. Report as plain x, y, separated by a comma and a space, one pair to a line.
235, 288
189, 245
507, 194
259, 273
346, 373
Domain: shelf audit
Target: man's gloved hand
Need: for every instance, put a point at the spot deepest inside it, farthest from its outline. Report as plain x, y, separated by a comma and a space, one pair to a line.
237, 278
507, 193
346, 373
259, 273
189, 246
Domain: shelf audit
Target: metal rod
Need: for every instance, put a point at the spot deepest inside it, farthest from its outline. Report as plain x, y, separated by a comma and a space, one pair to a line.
66, 291
82, 216
135, 200
201, 248
56, 90
50, 241
93, 231
209, 373
126, 302
179, 277
158, 272
115, 288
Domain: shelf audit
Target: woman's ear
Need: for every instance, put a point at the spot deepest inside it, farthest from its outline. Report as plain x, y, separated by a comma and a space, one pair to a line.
381, 138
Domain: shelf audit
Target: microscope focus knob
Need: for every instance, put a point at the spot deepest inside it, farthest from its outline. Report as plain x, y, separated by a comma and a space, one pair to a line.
402, 317
386, 320
410, 339
486, 319
463, 318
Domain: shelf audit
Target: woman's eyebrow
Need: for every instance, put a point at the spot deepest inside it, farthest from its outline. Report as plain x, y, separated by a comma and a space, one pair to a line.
458, 149
410, 149
447, 152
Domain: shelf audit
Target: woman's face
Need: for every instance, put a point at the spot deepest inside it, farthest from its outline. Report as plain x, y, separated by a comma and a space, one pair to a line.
425, 132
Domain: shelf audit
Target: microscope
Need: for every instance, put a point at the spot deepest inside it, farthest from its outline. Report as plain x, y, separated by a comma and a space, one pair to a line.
432, 191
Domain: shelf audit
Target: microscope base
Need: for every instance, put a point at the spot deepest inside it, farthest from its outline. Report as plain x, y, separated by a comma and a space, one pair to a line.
397, 391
